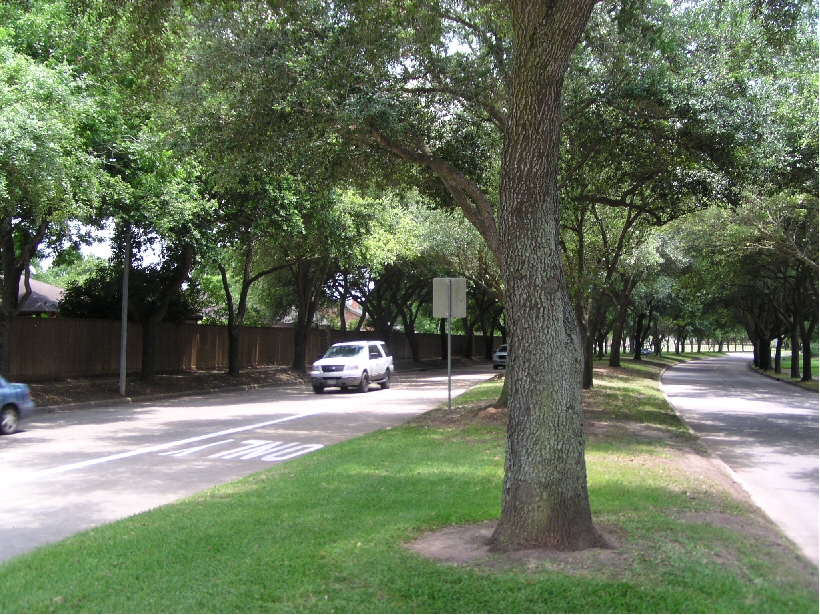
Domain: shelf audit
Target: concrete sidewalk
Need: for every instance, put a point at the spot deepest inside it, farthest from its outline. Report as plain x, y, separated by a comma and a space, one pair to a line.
764, 430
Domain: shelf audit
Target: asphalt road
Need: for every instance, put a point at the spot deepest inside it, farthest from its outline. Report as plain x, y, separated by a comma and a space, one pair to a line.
766, 431
66, 472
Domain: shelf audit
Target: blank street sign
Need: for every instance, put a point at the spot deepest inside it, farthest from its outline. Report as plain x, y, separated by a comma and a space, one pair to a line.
442, 301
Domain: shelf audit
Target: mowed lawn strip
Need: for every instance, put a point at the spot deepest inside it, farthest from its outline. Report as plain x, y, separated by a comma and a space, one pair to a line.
328, 532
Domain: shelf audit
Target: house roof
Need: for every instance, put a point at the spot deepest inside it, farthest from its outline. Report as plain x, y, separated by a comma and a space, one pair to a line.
44, 297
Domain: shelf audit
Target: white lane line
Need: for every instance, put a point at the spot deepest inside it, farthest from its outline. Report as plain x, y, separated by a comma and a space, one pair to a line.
160, 447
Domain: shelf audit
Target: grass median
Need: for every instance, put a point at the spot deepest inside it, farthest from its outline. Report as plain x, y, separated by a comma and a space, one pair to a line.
329, 531
785, 371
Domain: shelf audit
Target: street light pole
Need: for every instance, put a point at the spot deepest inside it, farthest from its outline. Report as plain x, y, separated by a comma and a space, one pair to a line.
124, 311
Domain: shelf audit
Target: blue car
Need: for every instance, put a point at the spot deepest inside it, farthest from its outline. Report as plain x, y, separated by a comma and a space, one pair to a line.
15, 405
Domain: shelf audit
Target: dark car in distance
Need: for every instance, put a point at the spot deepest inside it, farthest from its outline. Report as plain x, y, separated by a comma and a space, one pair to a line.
15, 405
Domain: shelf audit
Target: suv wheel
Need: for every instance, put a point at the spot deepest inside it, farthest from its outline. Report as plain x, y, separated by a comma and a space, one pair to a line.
364, 384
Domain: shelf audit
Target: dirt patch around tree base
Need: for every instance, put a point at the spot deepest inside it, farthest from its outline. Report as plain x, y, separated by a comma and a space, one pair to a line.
470, 545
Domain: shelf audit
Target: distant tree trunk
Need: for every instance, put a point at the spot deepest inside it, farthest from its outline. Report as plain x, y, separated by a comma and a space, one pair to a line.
587, 373
807, 336
149, 350
764, 351
309, 276
236, 315
600, 341
11, 284
618, 333
639, 336
410, 333
15, 255
487, 340
778, 354
469, 338
342, 316
442, 329
794, 337
150, 316
588, 337
5, 344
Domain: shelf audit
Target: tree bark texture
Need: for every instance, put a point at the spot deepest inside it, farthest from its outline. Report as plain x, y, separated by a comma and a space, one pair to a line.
545, 501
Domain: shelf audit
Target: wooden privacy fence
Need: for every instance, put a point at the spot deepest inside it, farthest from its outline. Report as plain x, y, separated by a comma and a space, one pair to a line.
45, 348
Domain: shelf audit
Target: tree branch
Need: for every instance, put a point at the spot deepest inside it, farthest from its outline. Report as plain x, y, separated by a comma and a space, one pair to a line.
470, 198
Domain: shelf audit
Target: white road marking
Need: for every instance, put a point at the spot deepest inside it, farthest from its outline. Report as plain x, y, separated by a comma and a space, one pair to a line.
194, 449
251, 447
160, 447
273, 451
294, 452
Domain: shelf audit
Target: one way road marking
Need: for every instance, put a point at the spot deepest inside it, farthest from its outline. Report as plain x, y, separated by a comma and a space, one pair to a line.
273, 451
161, 447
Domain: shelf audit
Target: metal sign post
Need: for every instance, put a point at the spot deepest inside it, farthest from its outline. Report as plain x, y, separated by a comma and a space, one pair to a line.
449, 301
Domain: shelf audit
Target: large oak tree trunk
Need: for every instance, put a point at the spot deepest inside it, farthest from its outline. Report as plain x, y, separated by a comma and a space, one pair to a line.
545, 501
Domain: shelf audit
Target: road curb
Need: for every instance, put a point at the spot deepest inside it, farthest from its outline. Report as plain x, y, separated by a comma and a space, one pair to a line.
125, 401
732, 474
752, 368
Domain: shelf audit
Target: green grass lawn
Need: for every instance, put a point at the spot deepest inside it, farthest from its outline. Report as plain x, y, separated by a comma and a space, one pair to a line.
786, 365
327, 532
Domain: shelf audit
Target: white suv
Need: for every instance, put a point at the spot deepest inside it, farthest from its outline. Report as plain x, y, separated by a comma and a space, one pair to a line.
353, 364
500, 357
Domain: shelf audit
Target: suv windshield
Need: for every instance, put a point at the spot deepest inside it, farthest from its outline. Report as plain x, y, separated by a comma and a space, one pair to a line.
343, 351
